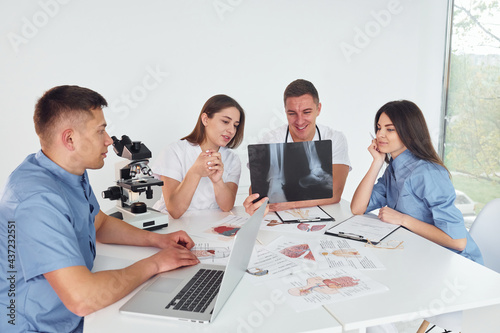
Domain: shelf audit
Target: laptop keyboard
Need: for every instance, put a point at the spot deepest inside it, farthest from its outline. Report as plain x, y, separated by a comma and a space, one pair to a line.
198, 292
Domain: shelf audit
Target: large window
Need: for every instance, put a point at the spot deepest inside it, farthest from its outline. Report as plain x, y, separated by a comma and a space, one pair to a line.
472, 127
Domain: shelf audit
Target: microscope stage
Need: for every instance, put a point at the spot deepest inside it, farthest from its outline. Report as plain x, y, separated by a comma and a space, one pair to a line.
150, 220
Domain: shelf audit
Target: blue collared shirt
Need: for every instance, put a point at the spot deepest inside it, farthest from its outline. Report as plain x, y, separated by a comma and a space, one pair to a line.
424, 191
50, 213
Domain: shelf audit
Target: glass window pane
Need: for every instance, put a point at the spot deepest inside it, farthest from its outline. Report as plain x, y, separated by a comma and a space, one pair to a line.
472, 132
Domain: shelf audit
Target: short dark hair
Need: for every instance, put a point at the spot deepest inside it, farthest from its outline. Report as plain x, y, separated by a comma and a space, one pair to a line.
412, 129
301, 87
62, 102
213, 105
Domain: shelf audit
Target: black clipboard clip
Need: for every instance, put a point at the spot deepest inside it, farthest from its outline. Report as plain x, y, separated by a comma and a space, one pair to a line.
350, 235
311, 219
327, 218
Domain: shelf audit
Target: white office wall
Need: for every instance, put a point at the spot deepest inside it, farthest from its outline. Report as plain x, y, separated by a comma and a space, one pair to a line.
157, 62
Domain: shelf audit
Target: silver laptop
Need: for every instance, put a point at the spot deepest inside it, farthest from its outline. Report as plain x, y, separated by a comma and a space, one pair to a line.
174, 295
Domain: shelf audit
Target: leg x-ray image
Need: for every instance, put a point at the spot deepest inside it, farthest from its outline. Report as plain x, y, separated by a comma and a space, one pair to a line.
291, 171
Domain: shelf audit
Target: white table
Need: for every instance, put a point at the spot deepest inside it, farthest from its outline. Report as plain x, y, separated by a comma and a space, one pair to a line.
249, 309
423, 279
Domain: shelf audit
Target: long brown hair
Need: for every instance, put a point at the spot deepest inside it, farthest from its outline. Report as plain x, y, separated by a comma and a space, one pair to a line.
214, 105
412, 129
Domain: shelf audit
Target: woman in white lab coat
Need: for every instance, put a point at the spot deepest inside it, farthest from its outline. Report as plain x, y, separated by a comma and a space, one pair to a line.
201, 171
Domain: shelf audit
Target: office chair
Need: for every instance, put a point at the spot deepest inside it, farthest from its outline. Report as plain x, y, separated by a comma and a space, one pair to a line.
484, 231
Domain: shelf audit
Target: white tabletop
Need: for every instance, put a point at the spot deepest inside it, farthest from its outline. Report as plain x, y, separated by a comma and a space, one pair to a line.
249, 309
424, 279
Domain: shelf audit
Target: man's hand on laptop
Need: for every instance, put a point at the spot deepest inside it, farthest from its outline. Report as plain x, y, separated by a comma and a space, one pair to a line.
175, 250
173, 256
179, 237
251, 207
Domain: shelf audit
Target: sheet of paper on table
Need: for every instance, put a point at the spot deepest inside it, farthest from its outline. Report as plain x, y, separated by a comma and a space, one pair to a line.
222, 230
211, 252
326, 252
266, 265
340, 252
309, 290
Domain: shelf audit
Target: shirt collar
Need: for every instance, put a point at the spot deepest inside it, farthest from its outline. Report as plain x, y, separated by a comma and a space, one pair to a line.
404, 161
63, 175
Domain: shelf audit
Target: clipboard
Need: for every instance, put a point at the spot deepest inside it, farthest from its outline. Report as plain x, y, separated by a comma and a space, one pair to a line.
302, 215
363, 228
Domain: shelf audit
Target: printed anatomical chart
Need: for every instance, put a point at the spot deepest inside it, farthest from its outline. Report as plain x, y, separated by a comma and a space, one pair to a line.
227, 228
297, 250
328, 252
340, 252
210, 253
265, 265
273, 223
308, 290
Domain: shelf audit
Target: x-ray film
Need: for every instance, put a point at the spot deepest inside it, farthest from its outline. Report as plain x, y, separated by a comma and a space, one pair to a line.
293, 171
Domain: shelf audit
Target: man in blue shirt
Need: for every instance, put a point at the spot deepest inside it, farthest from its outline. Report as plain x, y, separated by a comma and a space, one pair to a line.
50, 220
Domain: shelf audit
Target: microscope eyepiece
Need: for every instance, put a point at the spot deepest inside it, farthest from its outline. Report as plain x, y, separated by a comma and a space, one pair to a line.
112, 193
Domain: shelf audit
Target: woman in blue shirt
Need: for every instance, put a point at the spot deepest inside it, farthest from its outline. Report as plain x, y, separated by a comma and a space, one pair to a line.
415, 190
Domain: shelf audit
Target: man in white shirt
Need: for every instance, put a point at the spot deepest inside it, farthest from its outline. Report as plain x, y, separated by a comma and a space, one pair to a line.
302, 107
